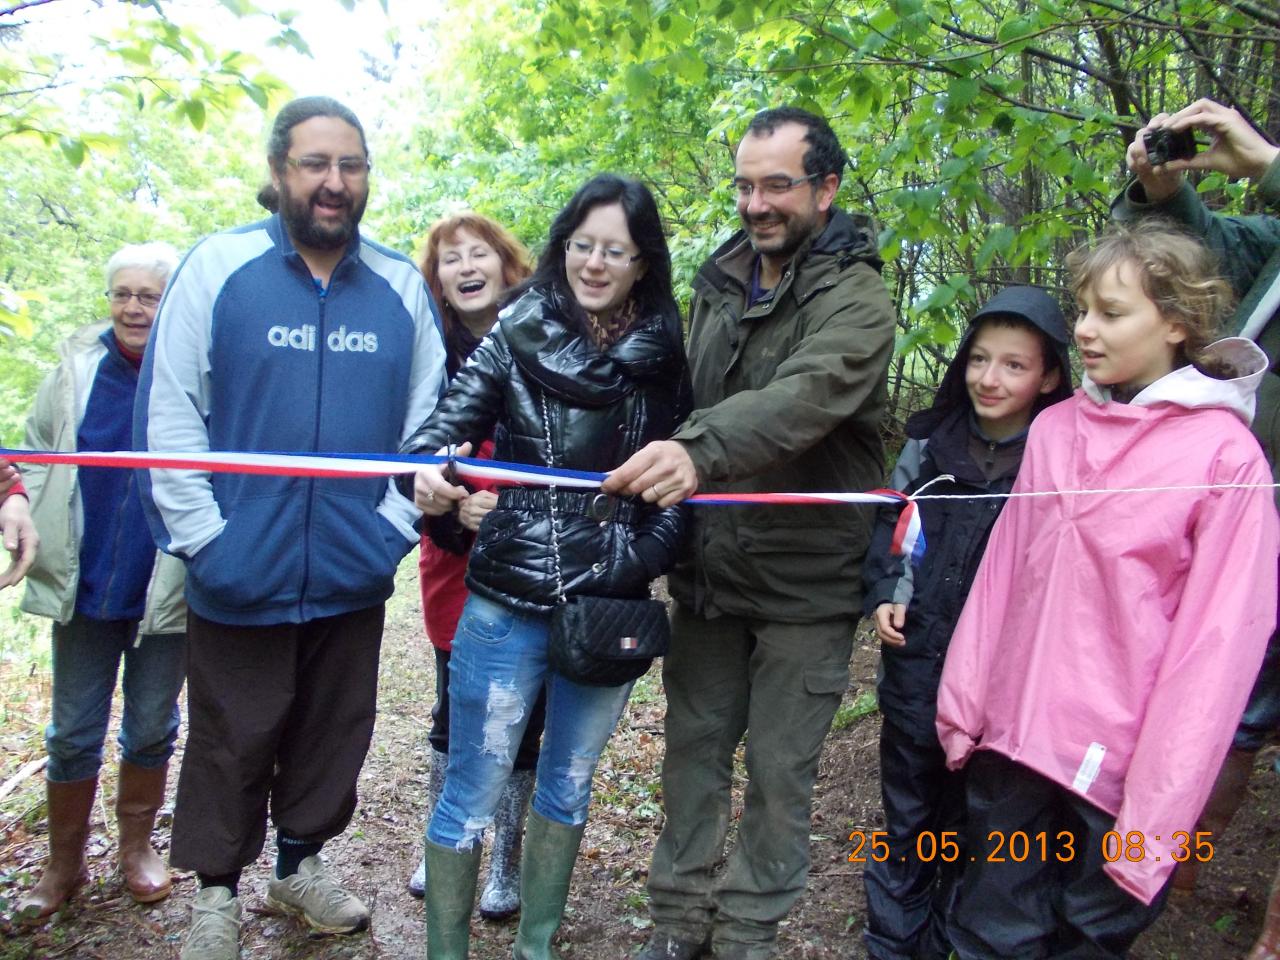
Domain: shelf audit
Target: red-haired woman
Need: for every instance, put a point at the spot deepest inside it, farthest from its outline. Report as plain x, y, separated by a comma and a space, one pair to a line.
469, 263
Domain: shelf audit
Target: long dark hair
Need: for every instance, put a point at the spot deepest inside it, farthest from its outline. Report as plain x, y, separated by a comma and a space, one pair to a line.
652, 292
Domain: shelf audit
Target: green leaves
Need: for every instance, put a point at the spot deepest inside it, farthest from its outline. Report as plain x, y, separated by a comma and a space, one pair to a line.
73, 148
998, 243
15, 311
158, 62
962, 92
194, 111
942, 295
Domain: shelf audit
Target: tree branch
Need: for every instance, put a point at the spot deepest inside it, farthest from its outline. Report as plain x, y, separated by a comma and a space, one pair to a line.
1258, 13
10, 11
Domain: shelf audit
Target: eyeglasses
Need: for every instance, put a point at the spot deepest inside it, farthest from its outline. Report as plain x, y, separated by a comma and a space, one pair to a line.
771, 186
121, 297
349, 168
578, 249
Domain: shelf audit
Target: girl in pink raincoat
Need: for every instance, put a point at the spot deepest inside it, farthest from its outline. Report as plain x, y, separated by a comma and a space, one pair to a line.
1110, 640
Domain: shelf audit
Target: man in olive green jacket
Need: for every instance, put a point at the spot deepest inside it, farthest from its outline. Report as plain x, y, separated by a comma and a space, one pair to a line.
791, 335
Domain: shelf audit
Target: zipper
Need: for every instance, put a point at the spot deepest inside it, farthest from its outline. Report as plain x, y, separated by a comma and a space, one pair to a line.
115, 547
991, 454
321, 337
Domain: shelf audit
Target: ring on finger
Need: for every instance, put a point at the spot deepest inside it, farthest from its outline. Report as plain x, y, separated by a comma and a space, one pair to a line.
431, 495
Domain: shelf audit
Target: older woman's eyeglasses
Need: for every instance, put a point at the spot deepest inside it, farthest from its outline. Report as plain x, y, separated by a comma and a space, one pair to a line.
121, 297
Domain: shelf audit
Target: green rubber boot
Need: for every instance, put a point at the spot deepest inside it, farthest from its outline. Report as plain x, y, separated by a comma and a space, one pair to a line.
550, 850
449, 898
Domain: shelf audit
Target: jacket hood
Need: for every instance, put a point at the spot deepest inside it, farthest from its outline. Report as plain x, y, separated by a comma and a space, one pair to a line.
1030, 304
850, 235
553, 352
1191, 387
848, 238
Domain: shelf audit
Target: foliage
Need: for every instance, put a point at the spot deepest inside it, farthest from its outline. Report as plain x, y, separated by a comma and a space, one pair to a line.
849, 713
156, 182
150, 63
987, 137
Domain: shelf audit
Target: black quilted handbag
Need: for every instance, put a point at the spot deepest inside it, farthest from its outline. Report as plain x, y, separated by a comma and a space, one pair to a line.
606, 641
600, 641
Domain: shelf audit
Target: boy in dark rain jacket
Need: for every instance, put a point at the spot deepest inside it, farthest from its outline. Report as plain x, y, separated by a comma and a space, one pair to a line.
1012, 363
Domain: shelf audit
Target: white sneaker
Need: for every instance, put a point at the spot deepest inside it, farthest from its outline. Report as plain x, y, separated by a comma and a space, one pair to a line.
215, 926
317, 898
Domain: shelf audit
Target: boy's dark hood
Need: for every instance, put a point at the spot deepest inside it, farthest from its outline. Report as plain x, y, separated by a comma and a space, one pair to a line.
1031, 304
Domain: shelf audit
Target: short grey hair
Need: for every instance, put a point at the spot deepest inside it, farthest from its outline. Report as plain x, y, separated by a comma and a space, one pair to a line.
157, 258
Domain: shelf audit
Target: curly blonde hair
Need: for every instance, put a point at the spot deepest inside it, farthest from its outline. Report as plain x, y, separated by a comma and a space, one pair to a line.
1178, 274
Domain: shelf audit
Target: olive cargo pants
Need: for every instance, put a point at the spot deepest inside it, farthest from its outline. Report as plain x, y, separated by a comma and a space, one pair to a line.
780, 683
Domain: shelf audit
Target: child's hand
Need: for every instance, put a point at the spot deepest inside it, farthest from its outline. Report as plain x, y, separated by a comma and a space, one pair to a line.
890, 618
472, 510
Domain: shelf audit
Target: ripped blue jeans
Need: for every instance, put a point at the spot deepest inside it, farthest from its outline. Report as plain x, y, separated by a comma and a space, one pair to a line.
498, 665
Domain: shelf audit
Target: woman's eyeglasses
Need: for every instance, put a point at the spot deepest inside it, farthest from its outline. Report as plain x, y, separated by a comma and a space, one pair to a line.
121, 297
581, 250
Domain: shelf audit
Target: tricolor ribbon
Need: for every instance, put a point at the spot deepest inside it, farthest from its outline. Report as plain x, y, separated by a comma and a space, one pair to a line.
908, 538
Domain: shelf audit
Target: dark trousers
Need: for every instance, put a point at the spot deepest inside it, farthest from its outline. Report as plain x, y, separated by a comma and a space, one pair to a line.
1040, 907
909, 894
1262, 712
279, 714
526, 755
780, 683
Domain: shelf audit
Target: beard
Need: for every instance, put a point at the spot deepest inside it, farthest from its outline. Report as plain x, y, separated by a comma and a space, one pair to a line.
305, 227
796, 229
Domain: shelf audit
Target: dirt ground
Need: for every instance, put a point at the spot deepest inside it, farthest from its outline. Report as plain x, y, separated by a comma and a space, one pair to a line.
607, 915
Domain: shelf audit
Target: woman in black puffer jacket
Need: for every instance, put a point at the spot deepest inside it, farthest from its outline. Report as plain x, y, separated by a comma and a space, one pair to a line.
584, 368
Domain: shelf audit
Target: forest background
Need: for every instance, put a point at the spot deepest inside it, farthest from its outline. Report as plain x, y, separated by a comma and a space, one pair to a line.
986, 136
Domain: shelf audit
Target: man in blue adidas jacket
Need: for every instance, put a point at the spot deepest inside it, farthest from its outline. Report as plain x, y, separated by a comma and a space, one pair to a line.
292, 334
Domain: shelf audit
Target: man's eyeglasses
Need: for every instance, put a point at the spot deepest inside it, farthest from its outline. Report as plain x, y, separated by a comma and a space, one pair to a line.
121, 297
771, 186
579, 250
349, 168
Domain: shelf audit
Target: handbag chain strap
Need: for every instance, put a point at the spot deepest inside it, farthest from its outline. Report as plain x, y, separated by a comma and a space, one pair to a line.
551, 499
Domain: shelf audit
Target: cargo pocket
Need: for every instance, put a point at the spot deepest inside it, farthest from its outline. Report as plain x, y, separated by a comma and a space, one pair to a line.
820, 678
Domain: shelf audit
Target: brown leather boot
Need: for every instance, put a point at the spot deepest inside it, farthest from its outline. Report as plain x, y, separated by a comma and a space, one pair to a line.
65, 872
138, 799
1268, 945
1228, 792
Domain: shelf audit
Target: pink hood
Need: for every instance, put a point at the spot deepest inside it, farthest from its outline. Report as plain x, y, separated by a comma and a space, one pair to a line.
1110, 641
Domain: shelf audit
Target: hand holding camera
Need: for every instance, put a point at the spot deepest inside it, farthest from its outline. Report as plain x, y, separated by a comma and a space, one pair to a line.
1166, 147
1164, 144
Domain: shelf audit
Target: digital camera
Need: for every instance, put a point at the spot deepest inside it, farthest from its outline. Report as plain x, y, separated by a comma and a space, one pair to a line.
1164, 145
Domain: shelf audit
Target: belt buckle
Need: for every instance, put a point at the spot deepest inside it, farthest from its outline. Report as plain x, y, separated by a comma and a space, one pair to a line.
600, 506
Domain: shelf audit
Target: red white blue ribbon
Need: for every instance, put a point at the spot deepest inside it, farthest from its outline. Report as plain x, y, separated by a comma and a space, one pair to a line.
908, 539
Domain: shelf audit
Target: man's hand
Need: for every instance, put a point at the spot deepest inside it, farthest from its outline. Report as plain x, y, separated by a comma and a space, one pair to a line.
433, 494
890, 619
19, 536
472, 510
1236, 149
8, 477
661, 473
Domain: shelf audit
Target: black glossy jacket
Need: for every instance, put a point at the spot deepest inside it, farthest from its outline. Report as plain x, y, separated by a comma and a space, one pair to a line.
603, 407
